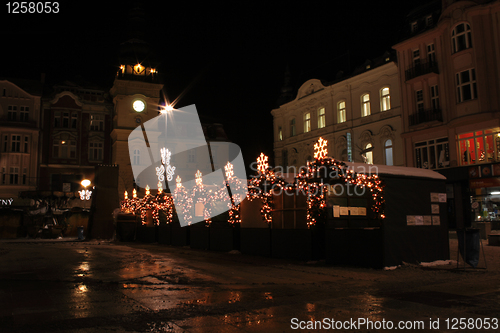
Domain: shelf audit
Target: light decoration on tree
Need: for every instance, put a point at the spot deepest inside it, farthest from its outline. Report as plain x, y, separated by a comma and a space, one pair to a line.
262, 186
262, 163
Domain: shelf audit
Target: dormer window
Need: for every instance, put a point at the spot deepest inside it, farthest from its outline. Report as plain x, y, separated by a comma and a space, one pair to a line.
413, 26
429, 21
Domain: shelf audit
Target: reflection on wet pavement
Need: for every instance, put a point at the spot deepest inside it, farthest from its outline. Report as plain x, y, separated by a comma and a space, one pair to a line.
85, 287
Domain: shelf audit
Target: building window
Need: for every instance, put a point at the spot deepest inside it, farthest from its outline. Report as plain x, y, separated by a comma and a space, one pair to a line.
341, 112
4, 175
432, 154
419, 97
25, 176
64, 149
321, 118
15, 143
137, 157
12, 112
414, 26
479, 147
307, 122
369, 153
466, 85
435, 97
95, 151
416, 58
26, 144
65, 121
5, 143
24, 113
365, 105
14, 175
385, 99
280, 133
57, 119
96, 122
431, 53
74, 119
388, 152
461, 37
429, 21
292, 127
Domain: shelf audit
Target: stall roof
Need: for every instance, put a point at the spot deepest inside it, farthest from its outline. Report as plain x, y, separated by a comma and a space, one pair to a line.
371, 169
394, 170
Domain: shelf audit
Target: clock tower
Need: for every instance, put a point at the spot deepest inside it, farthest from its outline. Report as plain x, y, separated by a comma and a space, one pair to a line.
136, 96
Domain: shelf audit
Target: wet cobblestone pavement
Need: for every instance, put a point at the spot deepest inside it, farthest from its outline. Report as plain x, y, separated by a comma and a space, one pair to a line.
115, 287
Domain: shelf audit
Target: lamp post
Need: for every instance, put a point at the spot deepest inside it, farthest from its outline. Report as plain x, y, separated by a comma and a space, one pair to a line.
85, 194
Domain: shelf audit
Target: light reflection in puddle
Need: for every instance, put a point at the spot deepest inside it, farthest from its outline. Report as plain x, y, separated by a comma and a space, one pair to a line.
250, 318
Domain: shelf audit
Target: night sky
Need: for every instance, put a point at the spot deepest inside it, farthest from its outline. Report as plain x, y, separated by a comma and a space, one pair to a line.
228, 59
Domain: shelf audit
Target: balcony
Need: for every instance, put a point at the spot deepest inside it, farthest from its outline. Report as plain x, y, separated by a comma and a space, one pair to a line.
425, 116
421, 69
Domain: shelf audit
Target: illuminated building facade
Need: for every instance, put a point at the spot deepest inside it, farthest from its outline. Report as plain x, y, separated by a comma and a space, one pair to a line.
360, 116
450, 79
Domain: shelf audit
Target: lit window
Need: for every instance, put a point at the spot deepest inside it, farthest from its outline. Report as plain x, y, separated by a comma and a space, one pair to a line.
307, 122
461, 37
96, 122
479, 147
292, 127
369, 153
365, 105
466, 85
280, 133
341, 112
321, 118
95, 151
385, 99
388, 152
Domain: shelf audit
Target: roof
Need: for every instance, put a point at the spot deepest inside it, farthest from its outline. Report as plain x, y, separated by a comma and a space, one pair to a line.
394, 170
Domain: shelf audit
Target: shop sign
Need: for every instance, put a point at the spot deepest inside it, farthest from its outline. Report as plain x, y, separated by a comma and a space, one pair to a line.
485, 182
6, 202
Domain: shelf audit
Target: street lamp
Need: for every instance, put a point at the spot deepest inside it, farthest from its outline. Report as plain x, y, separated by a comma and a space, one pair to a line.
85, 194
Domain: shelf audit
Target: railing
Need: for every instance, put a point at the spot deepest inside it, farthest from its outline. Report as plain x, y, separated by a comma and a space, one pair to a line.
425, 116
421, 69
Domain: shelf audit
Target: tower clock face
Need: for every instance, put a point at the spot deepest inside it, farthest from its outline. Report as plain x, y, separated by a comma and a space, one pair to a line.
138, 105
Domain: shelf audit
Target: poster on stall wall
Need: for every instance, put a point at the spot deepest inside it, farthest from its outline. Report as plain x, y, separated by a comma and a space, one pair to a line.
419, 220
410, 220
434, 197
436, 220
336, 211
427, 220
435, 209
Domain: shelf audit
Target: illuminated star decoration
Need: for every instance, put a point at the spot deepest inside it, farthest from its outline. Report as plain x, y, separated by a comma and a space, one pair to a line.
229, 171
199, 180
320, 150
262, 163
178, 181
85, 194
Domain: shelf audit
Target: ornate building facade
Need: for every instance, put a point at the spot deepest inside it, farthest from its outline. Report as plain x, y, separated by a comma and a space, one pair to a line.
20, 102
360, 116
